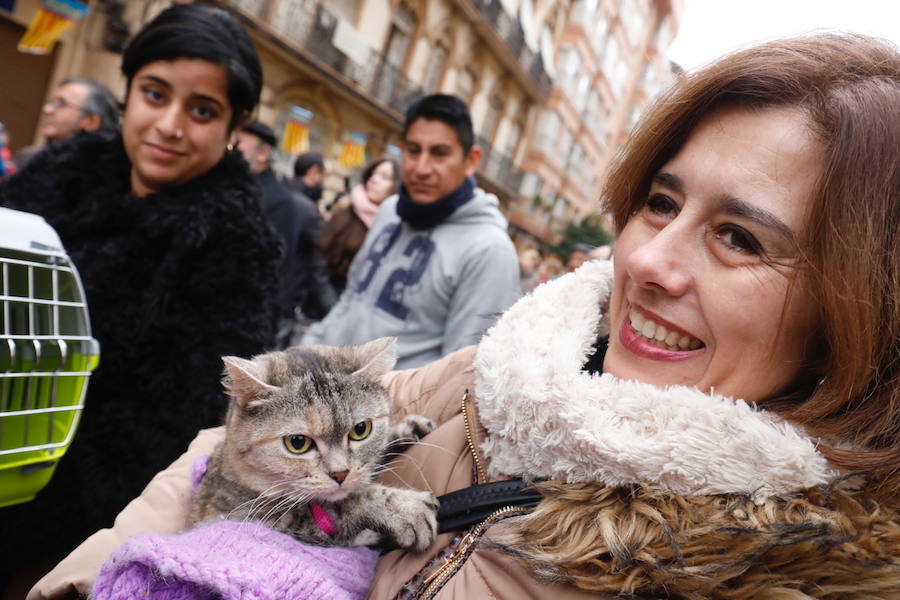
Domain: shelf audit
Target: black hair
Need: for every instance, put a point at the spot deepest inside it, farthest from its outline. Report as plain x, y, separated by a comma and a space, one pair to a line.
100, 101
261, 131
194, 31
307, 161
370, 170
447, 109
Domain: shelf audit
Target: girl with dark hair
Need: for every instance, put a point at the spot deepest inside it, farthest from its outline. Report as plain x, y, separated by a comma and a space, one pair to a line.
178, 263
344, 233
713, 416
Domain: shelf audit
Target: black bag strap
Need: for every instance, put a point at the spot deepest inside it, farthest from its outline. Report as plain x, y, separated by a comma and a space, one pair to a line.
469, 506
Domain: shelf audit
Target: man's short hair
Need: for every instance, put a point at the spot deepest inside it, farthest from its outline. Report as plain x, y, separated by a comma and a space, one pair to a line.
307, 161
262, 131
101, 102
447, 109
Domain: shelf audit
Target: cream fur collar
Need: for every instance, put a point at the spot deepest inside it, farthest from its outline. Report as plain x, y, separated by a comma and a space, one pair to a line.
548, 419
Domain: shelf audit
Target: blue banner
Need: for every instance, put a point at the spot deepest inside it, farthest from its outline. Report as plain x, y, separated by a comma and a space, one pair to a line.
9, 5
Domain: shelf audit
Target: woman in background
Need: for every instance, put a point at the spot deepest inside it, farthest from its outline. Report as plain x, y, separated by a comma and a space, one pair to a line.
345, 231
178, 264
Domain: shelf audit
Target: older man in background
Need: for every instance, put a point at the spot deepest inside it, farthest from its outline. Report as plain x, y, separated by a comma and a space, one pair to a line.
77, 104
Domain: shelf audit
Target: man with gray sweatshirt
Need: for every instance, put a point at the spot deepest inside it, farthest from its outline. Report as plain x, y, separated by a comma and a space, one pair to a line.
437, 266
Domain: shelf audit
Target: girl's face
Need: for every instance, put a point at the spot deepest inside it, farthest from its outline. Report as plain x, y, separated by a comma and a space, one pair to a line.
702, 270
381, 184
175, 124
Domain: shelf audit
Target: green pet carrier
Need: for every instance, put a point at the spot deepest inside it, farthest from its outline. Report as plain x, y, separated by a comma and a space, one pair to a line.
46, 354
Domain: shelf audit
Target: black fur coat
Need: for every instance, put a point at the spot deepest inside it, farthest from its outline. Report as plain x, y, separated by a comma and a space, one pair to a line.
173, 282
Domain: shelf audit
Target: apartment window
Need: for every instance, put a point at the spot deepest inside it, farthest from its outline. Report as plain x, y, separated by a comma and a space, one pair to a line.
582, 92
492, 116
465, 84
512, 139
548, 132
403, 23
601, 32
633, 20
530, 185
664, 35
615, 66
435, 68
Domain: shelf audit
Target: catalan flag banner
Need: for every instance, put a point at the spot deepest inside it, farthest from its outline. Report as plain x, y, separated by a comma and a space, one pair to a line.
51, 21
295, 136
353, 152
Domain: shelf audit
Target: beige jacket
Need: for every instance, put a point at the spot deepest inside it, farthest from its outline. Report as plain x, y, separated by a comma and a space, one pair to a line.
665, 493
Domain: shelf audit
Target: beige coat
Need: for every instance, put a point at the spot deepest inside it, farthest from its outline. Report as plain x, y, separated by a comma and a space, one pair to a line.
664, 493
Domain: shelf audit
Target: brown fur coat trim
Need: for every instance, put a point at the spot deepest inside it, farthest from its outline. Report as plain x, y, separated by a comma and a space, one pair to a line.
827, 543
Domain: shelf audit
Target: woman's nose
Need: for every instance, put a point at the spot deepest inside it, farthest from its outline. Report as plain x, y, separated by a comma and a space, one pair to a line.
171, 122
662, 261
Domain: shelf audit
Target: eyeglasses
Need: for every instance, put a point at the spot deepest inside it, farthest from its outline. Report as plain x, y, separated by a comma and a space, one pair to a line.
54, 104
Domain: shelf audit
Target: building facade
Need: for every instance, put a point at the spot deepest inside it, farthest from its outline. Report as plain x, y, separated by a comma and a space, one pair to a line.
610, 62
553, 86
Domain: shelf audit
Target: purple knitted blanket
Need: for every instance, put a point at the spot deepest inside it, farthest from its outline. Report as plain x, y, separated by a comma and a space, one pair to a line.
233, 561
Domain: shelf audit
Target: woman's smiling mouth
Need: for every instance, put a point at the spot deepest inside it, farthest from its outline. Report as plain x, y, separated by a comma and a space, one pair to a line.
651, 339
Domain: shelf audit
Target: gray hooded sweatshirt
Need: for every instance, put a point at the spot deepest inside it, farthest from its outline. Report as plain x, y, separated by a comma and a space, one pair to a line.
436, 290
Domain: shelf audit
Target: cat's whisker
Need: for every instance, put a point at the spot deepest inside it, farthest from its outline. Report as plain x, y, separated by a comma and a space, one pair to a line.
283, 502
259, 498
421, 443
386, 469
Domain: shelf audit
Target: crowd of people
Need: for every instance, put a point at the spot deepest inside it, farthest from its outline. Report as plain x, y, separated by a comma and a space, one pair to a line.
713, 414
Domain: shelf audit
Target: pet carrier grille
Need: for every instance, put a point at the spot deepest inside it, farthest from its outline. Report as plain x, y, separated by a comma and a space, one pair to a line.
46, 354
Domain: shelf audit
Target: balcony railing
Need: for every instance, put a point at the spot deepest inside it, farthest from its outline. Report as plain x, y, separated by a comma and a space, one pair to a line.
511, 31
499, 167
310, 28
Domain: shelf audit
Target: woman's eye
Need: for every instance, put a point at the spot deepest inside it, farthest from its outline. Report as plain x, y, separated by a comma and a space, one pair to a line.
659, 204
153, 95
203, 113
361, 430
739, 239
298, 444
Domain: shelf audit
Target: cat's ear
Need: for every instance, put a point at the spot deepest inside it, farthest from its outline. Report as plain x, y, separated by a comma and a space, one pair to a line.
244, 381
377, 357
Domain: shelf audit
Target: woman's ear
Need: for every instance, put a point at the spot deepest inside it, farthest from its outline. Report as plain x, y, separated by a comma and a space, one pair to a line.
241, 121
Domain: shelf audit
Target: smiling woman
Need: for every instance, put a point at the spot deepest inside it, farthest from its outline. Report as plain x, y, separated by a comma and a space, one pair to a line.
716, 415
175, 125
720, 225
178, 262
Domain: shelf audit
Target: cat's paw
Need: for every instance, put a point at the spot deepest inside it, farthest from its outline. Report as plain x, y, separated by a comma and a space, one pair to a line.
413, 521
412, 428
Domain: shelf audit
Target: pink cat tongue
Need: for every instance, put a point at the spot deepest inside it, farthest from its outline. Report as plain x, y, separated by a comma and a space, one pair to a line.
322, 519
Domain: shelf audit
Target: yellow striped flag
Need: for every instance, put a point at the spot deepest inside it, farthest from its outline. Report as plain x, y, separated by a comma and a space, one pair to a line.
295, 135
353, 152
51, 21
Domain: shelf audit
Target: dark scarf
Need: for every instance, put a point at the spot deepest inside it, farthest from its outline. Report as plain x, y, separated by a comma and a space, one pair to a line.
428, 216
313, 192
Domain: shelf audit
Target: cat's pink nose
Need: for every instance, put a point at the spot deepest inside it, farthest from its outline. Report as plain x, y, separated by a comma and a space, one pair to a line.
340, 476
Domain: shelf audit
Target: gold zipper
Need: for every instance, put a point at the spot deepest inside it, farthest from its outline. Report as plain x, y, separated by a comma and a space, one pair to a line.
480, 476
436, 580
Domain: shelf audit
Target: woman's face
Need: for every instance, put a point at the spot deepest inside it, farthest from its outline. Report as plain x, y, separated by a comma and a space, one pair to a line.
175, 124
381, 184
703, 268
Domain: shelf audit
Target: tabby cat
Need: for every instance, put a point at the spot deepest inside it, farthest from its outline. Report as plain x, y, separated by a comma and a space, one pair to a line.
306, 433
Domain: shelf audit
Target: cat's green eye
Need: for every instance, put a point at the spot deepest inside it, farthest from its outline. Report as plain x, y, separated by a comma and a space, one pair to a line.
361, 430
298, 444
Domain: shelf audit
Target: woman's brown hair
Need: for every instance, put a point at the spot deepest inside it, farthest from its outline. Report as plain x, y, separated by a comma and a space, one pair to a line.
849, 86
